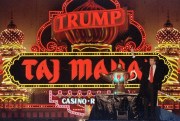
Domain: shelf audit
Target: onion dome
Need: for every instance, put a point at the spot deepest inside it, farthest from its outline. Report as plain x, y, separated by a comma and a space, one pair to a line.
168, 39
168, 34
11, 40
104, 35
11, 35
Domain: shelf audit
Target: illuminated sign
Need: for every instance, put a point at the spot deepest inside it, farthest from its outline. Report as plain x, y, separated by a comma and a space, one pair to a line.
91, 26
88, 19
78, 103
73, 70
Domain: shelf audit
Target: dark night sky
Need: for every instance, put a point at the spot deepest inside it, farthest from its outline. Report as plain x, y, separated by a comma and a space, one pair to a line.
29, 15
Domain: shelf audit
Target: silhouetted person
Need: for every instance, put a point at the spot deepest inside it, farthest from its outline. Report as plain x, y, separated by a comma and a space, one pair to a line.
151, 82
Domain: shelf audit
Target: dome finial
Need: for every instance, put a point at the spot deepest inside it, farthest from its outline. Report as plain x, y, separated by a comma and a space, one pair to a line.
11, 15
11, 24
168, 15
168, 23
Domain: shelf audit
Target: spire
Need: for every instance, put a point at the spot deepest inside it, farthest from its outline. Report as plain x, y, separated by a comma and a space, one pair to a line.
168, 23
168, 16
11, 24
11, 15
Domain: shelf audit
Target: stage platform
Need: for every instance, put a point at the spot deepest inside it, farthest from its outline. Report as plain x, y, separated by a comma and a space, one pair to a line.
126, 107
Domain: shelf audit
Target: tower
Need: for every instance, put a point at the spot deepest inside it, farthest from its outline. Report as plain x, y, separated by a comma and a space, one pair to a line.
11, 40
168, 39
11, 43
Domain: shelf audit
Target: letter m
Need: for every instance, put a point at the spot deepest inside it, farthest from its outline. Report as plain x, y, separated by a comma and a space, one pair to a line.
81, 68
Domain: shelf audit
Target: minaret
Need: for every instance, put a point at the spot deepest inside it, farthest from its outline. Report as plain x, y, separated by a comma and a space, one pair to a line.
168, 39
11, 44
11, 40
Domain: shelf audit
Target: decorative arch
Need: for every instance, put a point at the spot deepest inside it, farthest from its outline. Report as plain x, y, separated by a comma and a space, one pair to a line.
54, 46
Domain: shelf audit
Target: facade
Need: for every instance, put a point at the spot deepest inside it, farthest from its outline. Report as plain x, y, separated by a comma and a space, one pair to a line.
33, 104
168, 39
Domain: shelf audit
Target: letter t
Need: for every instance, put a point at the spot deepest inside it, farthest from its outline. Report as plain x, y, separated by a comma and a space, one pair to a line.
28, 67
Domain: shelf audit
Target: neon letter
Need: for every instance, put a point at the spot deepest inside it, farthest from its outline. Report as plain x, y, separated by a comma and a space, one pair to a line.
99, 19
82, 64
72, 20
115, 15
100, 68
28, 67
43, 69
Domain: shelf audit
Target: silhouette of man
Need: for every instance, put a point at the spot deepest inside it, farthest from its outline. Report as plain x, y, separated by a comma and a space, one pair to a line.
151, 82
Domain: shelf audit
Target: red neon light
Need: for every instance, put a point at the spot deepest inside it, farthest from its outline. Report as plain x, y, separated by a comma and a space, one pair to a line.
42, 70
54, 46
134, 66
76, 109
89, 19
130, 44
51, 46
79, 68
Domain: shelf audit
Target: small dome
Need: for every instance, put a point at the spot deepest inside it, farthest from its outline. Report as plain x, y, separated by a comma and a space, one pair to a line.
168, 34
11, 35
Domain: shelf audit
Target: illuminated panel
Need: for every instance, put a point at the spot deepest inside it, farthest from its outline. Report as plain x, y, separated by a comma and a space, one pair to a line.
49, 106
170, 94
41, 75
96, 21
174, 75
76, 104
97, 47
170, 98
